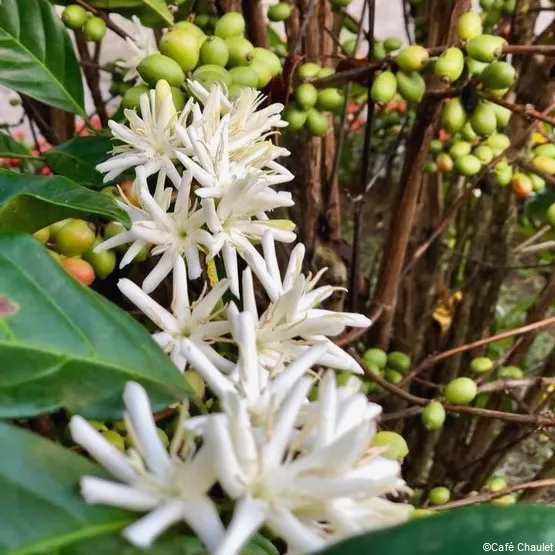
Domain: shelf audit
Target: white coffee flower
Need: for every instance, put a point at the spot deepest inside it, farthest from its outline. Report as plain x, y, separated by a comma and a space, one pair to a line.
174, 234
142, 43
290, 490
200, 322
170, 487
292, 320
148, 140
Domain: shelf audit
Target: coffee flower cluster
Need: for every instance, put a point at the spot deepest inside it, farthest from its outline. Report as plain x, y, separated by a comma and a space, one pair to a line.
290, 447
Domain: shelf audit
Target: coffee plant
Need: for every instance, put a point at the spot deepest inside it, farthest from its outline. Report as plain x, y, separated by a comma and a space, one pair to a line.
273, 281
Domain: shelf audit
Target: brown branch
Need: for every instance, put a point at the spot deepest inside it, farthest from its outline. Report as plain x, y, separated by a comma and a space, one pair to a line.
484, 497
109, 23
305, 18
526, 111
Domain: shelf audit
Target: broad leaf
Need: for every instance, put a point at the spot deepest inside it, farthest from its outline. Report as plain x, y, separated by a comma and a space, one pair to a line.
29, 202
458, 532
62, 345
154, 13
10, 145
78, 158
36, 55
41, 507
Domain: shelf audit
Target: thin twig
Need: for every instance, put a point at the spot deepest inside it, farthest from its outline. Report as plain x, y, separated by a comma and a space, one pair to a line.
305, 18
484, 497
526, 111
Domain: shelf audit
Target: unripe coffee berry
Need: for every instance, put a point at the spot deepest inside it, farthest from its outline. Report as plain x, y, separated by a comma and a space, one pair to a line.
439, 495
94, 29
395, 444
75, 238
433, 415
461, 391
74, 16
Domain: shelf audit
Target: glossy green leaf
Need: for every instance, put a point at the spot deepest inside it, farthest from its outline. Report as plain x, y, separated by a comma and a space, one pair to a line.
78, 158
154, 13
36, 55
458, 532
41, 508
30, 202
9, 144
63, 345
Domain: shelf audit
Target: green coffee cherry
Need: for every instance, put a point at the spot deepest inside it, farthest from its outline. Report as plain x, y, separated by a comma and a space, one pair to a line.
504, 501
467, 165
391, 43
330, 100
498, 75
396, 446
484, 153
294, 116
444, 162
538, 183
214, 51
439, 496
157, 66
94, 29
474, 67
192, 29
412, 58
550, 215
338, 4
178, 98
375, 357
306, 96
497, 483
317, 123
384, 87
483, 120
481, 365
453, 115
350, 25
430, 166
510, 372
208, 75
115, 439
450, 64
392, 376
460, 148
263, 73
398, 361
195, 382
461, 391
231, 24
240, 51
202, 20
267, 58
498, 142
74, 238
42, 235
435, 146
411, 86
244, 76
279, 12
325, 72
544, 164
308, 70
469, 25
547, 149
378, 51
103, 263
74, 16
422, 513
485, 48
181, 46
433, 415
132, 98
502, 115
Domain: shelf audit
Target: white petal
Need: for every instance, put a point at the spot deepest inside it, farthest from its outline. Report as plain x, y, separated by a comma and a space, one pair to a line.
98, 491
139, 409
201, 514
101, 450
143, 532
162, 269
248, 517
298, 536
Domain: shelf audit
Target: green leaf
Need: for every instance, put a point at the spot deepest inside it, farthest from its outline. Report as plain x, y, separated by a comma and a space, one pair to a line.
36, 55
154, 13
41, 508
458, 532
30, 202
78, 158
66, 346
9, 144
